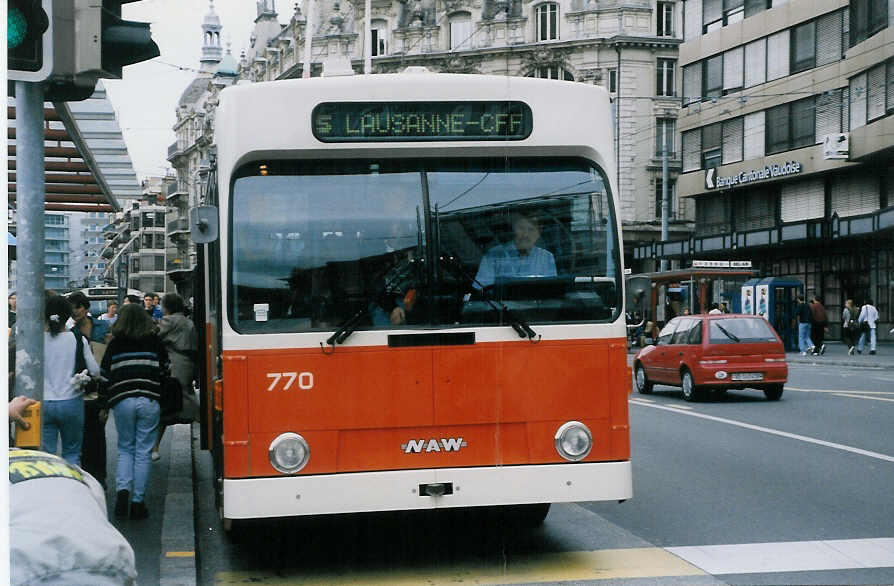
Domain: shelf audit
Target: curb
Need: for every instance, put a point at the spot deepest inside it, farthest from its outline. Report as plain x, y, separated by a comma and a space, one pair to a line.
836, 362
178, 539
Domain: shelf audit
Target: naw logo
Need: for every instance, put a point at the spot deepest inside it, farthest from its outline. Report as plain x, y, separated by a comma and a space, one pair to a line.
445, 444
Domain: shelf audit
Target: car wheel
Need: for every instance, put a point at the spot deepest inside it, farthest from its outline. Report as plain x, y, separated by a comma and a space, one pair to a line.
774, 393
690, 392
643, 385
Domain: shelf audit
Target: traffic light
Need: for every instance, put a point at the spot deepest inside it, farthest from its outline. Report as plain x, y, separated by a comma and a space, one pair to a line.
29, 40
104, 43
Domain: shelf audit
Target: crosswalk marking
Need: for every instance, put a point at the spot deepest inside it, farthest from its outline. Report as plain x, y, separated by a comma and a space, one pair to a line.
771, 431
797, 556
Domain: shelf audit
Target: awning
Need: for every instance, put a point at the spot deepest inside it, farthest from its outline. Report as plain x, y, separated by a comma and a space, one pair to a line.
87, 163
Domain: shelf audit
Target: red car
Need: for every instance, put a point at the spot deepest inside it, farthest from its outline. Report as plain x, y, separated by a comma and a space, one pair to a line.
719, 352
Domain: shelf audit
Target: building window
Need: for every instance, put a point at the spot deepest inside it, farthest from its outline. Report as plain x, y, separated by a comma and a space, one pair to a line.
752, 7
867, 17
460, 31
665, 81
712, 77
791, 126
712, 141
733, 11
665, 14
552, 72
379, 32
547, 20
671, 198
612, 81
665, 128
803, 47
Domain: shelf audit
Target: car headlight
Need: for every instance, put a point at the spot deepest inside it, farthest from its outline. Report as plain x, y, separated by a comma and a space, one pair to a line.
574, 441
289, 453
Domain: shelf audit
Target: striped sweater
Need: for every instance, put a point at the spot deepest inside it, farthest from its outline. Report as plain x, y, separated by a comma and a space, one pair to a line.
133, 368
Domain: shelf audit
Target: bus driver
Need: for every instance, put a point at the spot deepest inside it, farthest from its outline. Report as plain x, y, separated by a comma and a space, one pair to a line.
519, 258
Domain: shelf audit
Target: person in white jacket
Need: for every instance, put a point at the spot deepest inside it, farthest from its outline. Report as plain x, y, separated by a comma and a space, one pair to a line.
869, 316
62, 408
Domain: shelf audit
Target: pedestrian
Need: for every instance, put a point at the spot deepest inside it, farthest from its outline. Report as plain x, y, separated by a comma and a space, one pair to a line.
111, 314
179, 336
803, 314
819, 323
157, 312
868, 320
133, 368
97, 333
59, 531
715, 309
12, 310
62, 408
849, 327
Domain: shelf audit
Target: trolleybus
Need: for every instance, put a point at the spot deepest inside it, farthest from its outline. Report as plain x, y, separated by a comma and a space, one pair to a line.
415, 300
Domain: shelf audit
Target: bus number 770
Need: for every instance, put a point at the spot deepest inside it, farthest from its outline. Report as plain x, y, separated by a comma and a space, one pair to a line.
305, 380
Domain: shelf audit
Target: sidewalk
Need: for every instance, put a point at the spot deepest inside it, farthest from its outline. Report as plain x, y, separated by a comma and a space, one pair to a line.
836, 355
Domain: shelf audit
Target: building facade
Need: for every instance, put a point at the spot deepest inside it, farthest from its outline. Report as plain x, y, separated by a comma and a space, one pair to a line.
191, 154
627, 46
787, 140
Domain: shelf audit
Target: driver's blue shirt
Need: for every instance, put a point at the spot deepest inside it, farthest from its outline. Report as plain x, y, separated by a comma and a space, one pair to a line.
504, 260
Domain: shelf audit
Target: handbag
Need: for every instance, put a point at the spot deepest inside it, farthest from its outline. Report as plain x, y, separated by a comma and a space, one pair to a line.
171, 395
92, 387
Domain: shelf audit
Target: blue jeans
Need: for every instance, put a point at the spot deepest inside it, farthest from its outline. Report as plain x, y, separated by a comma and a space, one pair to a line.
66, 419
872, 340
804, 343
136, 420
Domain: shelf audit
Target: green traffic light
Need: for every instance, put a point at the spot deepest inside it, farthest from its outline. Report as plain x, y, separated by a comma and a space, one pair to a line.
16, 27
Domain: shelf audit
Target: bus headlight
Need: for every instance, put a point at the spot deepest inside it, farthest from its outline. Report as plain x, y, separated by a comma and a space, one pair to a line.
289, 453
574, 441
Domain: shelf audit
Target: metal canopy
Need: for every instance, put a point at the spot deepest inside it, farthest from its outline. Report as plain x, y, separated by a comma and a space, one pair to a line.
87, 164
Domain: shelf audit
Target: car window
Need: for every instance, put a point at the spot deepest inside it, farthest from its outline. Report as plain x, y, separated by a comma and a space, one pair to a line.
739, 330
695, 332
664, 336
681, 334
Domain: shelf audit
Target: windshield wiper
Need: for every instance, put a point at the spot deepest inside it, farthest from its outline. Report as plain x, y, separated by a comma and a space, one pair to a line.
520, 326
353, 322
728, 335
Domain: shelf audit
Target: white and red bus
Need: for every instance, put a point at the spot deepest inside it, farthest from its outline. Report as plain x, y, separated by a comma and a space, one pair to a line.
415, 300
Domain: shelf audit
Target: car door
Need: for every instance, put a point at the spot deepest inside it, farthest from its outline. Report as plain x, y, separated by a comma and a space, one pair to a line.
684, 346
660, 368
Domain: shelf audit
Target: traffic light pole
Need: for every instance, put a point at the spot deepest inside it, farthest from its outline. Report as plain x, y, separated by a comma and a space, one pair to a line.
30, 196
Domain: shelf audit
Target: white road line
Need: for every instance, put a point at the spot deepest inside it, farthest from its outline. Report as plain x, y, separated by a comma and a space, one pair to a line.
860, 395
788, 388
796, 556
771, 431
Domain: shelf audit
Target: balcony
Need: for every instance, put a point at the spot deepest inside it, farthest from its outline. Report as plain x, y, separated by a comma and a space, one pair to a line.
173, 151
176, 193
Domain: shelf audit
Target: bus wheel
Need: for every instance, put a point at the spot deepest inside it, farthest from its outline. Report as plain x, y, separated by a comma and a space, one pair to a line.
774, 392
643, 386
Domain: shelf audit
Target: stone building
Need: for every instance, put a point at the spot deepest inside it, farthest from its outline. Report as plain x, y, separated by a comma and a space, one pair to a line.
191, 153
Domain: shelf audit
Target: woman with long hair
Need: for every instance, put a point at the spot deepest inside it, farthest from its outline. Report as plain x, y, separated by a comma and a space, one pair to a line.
133, 368
62, 408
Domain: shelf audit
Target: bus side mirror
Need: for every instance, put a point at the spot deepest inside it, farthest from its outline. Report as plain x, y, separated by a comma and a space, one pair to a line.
203, 224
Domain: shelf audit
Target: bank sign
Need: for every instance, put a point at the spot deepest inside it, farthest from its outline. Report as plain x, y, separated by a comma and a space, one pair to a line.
712, 181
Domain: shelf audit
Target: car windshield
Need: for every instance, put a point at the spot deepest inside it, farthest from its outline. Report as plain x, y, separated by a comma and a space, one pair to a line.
421, 243
734, 330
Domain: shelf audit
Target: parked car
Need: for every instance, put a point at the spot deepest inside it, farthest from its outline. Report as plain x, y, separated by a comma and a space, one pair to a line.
718, 352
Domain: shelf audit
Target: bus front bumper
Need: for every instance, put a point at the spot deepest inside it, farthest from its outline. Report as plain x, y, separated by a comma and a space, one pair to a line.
286, 496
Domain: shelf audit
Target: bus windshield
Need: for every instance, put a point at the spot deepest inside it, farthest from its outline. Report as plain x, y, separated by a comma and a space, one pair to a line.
428, 243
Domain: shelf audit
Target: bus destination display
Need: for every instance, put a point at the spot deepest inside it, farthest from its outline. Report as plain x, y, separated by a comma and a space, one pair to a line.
421, 121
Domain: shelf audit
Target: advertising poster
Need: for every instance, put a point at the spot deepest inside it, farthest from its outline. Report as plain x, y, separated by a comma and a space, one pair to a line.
763, 294
748, 300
